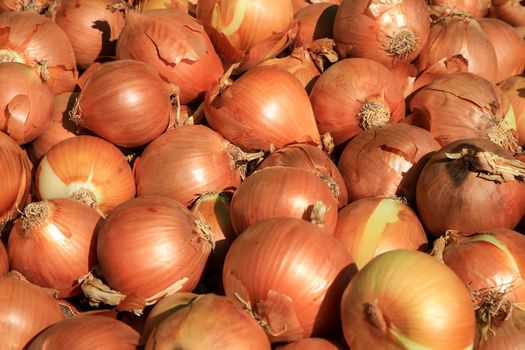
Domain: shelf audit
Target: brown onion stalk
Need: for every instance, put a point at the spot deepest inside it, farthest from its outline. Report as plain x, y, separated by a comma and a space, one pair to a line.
512, 88
385, 31
470, 185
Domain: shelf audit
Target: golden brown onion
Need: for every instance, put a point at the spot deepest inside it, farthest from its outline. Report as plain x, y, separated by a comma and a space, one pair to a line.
36, 6
510, 11
514, 88
475, 8
506, 332
4, 260
315, 21
187, 6
311, 344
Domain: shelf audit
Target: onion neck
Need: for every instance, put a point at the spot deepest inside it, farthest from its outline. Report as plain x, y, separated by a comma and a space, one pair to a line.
7, 56
332, 185
374, 316
85, 196
374, 113
34, 215
206, 233
402, 42
318, 215
241, 159
491, 306
498, 132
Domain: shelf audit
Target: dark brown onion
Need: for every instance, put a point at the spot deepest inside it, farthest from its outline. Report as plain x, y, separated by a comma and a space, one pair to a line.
300, 274
470, 185
280, 191
397, 152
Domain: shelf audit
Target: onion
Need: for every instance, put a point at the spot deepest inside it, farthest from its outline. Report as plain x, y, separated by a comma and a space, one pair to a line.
58, 129
87, 332
247, 32
315, 21
299, 4
475, 8
15, 184
266, 107
125, 102
311, 344
513, 88
26, 103
36, 6
310, 158
35, 40
356, 94
149, 247
388, 306
91, 26
88, 169
510, 11
188, 6
385, 31
60, 232
203, 159
508, 45
464, 105
26, 310
280, 191
4, 260
176, 46
507, 331
397, 152
300, 273
460, 34
209, 322
470, 185
374, 225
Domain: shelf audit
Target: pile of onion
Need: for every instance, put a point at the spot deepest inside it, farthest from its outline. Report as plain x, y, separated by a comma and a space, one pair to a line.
371, 226
471, 185
353, 95
176, 46
300, 273
388, 305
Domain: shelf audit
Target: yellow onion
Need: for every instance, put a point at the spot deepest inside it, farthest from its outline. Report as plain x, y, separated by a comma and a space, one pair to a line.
289, 275
125, 102
87, 332
508, 45
385, 31
36, 6
26, 310
353, 95
35, 40
58, 129
397, 152
475, 8
459, 34
266, 107
465, 105
60, 234
299, 4
26, 102
247, 32
176, 46
294, 192
203, 159
187, 6
506, 331
470, 185
4, 260
88, 169
313, 159
371, 226
389, 305
510, 11
513, 88
209, 322
311, 344
16, 184
91, 26
315, 21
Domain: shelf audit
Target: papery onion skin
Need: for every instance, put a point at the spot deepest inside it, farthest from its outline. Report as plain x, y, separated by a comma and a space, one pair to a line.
247, 32
294, 193
464, 105
315, 21
301, 272
187, 6
459, 34
396, 151
266, 106
148, 244
26, 310
26, 102
202, 160
355, 94
475, 8
371, 226
209, 322
508, 45
91, 27
299, 4
311, 344
86, 168
510, 11
36, 6
32, 39
385, 31
14, 187
387, 305
512, 88
176, 46
87, 332
313, 159
60, 232
454, 194
125, 102
59, 128
4, 260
